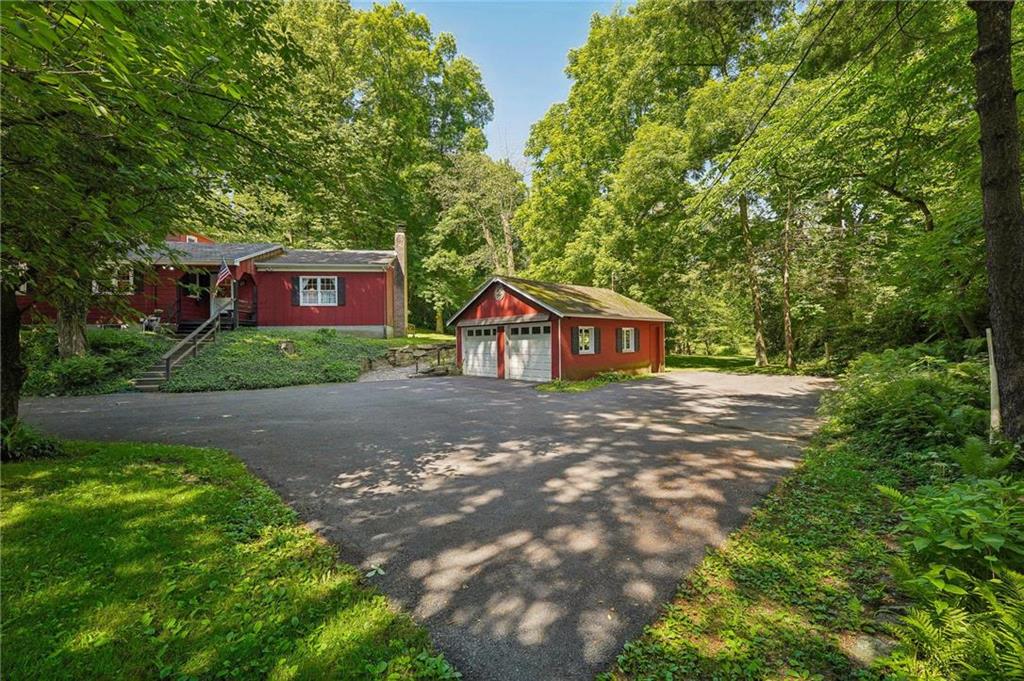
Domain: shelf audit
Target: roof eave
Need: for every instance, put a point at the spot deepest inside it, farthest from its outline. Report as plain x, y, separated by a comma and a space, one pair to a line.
271, 266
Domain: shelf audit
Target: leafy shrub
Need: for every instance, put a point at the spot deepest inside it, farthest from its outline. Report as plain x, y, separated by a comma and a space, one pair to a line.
958, 533
907, 401
21, 442
114, 356
79, 372
943, 641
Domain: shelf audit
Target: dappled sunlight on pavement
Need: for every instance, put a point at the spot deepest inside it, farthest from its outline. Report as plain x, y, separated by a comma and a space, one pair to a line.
532, 533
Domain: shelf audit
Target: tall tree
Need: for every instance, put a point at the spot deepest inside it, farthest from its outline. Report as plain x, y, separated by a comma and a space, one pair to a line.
118, 119
760, 349
475, 235
1003, 210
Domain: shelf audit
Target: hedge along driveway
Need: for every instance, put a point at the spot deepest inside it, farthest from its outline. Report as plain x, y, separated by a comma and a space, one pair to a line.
148, 561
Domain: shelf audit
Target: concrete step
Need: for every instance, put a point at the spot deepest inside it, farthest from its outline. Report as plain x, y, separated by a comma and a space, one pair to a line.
148, 388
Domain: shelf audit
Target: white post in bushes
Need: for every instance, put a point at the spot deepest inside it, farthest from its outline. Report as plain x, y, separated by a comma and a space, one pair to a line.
995, 425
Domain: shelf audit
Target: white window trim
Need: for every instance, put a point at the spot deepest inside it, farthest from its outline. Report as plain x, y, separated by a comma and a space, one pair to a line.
590, 345
631, 347
191, 239
319, 292
115, 286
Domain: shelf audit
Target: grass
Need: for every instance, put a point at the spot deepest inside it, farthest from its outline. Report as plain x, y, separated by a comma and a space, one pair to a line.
806, 573
708, 362
249, 358
744, 364
564, 386
131, 561
114, 356
421, 337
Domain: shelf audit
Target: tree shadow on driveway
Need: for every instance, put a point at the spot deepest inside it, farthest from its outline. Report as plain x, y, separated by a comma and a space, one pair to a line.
532, 533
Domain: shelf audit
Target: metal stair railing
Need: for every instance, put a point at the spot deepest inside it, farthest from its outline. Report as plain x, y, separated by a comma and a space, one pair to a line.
191, 342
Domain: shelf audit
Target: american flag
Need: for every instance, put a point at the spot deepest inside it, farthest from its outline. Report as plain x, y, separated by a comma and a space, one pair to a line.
223, 274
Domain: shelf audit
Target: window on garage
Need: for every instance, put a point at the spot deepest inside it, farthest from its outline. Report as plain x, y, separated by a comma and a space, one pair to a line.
585, 340
627, 339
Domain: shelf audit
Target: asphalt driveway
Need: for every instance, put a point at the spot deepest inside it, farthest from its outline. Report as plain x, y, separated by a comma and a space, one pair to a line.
533, 534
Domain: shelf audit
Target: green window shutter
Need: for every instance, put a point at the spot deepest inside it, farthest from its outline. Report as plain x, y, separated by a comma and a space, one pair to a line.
575, 340
341, 291
619, 332
597, 341
636, 338
295, 291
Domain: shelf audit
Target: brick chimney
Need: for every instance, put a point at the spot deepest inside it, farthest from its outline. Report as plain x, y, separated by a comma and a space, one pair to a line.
401, 288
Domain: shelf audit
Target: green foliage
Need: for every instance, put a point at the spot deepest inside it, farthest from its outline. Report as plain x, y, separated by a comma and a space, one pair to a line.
954, 534
147, 561
129, 116
21, 442
977, 458
908, 402
114, 356
602, 379
246, 359
375, 114
475, 236
637, 174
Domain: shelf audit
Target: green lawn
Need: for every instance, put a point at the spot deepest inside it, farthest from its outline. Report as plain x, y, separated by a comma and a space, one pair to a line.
249, 358
562, 386
708, 362
744, 364
134, 561
114, 356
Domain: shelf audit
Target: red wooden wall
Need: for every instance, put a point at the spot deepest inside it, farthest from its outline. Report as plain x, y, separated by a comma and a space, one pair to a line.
649, 355
365, 300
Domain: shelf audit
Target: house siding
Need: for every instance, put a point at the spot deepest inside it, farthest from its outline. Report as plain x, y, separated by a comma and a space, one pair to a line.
649, 355
365, 301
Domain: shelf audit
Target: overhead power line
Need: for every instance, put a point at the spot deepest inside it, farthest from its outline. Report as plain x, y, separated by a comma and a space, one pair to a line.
788, 140
778, 95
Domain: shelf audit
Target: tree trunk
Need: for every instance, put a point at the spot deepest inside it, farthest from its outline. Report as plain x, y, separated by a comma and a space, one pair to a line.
760, 350
438, 320
495, 258
71, 328
510, 255
1002, 206
787, 320
12, 371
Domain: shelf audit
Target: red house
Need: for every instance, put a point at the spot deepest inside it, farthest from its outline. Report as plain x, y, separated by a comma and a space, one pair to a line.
360, 292
538, 331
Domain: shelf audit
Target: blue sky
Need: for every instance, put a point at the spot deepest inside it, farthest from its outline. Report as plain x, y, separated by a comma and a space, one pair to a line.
520, 48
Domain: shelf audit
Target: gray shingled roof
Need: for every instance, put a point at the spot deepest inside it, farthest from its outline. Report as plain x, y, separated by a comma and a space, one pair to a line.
206, 254
309, 256
570, 300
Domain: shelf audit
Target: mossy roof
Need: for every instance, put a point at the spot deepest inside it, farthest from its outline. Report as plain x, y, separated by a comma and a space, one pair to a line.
571, 300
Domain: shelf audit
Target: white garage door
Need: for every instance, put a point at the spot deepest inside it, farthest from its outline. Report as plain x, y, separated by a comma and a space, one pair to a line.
480, 351
528, 352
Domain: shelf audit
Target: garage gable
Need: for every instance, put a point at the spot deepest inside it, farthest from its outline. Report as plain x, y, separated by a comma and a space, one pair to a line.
499, 301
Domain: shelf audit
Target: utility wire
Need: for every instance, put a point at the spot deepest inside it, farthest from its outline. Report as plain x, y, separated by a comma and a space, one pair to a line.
771, 105
791, 140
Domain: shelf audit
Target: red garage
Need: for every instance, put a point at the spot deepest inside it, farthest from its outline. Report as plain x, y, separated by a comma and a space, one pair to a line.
538, 331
